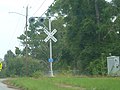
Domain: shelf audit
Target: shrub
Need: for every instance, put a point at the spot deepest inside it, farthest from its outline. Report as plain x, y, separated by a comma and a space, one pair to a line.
21, 66
38, 74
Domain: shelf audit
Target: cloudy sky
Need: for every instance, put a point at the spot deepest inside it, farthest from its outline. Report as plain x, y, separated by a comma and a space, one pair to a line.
12, 24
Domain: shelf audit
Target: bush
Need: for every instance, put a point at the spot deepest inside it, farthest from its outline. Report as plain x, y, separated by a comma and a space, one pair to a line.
98, 67
38, 74
22, 67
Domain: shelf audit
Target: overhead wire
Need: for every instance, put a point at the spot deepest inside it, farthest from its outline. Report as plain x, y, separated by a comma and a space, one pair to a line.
19, 23
26, 3
39, 7
46, 9
24, 6
14, 33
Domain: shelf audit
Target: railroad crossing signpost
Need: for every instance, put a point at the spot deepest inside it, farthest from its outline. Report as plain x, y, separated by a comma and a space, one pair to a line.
50, 37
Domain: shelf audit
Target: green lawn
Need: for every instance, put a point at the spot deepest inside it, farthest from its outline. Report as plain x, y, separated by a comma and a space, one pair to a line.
67, 83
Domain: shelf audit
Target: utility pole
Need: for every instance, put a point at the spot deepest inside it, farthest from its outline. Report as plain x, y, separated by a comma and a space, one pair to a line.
26, 31
26, 49
26, 26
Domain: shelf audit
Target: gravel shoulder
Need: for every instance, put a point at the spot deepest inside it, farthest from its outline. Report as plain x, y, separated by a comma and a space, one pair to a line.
4, 85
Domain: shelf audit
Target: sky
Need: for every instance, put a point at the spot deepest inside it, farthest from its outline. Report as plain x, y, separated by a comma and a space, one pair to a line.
12, 24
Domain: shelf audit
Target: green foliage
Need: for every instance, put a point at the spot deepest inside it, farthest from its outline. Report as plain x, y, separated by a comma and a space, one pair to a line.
89, 32
9, 55
38, 74
85, 30
36, 47
22, 66
98, 67
17, 51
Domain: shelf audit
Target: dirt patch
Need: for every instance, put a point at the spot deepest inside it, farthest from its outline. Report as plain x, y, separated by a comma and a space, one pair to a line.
70, 86
9, 85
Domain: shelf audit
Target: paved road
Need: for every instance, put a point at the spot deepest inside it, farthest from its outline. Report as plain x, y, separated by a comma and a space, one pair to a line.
4, 87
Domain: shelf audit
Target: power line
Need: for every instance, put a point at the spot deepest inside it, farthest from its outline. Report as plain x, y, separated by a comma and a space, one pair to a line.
27, 2
15, 30
19, 23
39, 7
46, 10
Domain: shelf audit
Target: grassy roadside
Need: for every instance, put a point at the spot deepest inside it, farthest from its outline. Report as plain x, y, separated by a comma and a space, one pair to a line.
67, 83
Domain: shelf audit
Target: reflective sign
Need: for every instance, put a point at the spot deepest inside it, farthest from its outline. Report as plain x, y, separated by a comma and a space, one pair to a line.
50, 35
0, 66
50, 60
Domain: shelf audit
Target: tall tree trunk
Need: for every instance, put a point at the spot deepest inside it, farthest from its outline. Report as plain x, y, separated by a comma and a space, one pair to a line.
97, 17
97, 12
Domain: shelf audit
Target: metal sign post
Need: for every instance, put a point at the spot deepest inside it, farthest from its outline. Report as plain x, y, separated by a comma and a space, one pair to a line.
51, 70
50, 37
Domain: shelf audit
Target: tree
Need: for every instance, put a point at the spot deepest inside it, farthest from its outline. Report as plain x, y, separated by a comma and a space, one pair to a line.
17, 51
17, 67
89, 28
36, 47
9, 55
39, 49
85, 31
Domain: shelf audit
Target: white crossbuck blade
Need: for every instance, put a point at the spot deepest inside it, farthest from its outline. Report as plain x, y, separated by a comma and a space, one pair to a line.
50, 35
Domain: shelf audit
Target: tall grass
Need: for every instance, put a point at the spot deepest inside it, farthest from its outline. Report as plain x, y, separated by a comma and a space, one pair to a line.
94, 83
67, 83
37, 84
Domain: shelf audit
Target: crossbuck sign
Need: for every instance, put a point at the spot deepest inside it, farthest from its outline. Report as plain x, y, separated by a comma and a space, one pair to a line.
50, 35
